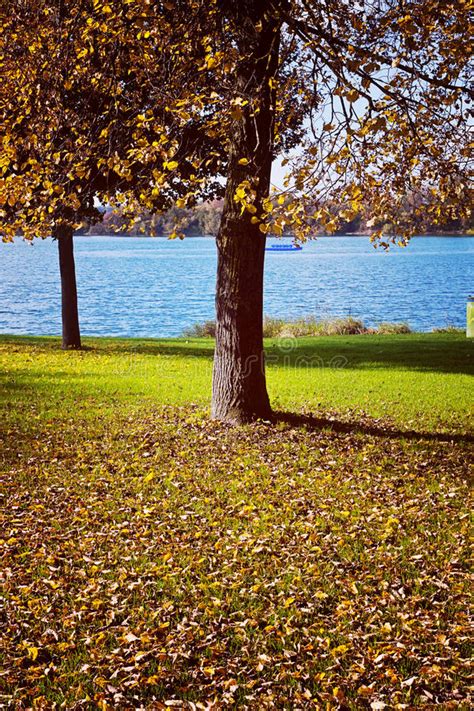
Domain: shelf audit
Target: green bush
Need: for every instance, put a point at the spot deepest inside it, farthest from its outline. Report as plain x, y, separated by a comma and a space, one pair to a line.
201, 330
393, 328
449, 328
272, 327
347, 326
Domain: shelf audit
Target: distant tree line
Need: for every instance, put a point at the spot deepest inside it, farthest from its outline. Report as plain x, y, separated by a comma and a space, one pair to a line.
204, 219
201, 220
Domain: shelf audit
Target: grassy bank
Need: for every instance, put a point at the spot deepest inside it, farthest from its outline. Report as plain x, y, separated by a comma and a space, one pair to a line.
420, 380
151, 556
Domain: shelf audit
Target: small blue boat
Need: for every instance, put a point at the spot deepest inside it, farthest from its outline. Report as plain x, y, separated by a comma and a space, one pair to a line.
284, 248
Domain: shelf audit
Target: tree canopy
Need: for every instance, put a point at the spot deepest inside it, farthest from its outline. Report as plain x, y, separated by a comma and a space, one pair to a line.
135, 101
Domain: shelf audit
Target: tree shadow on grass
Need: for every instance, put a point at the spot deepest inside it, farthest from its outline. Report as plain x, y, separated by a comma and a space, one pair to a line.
439, 353
367, 427
442, 353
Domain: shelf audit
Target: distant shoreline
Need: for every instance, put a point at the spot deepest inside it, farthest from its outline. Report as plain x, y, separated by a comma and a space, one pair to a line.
274, 237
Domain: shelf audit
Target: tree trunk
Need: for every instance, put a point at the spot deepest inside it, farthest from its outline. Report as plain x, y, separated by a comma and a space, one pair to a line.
70, 316
239, 392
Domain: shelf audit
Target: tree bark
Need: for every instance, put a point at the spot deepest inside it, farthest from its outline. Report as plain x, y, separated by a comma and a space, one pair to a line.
239, 392
71, 337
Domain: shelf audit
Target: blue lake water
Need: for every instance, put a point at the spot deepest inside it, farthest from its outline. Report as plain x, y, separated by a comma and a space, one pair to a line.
134, 286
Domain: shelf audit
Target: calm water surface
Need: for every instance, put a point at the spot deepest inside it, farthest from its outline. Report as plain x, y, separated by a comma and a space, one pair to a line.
134, 286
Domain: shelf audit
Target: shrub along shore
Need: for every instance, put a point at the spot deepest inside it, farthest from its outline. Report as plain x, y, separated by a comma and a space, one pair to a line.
311, 326
152, 558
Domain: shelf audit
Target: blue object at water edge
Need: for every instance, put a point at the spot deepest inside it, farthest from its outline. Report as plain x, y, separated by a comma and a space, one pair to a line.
284, 248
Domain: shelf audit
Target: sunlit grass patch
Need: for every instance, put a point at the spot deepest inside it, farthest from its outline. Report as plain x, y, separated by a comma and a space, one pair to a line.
416, 380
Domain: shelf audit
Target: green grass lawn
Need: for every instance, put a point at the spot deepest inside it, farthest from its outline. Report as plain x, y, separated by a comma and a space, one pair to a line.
419, 380
149, 555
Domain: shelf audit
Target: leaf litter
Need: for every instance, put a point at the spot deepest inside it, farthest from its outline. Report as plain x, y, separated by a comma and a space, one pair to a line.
161, 560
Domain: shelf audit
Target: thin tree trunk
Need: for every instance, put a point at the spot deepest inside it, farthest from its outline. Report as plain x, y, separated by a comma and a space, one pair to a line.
70, 316
239, 392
